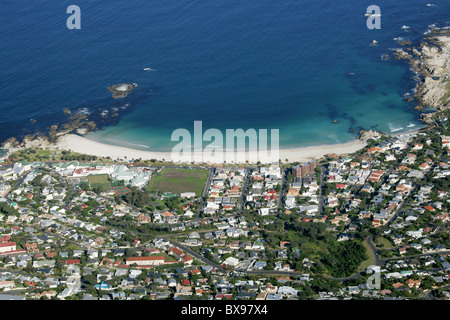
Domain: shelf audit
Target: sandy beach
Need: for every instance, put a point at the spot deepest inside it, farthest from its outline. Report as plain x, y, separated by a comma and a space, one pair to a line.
84, 145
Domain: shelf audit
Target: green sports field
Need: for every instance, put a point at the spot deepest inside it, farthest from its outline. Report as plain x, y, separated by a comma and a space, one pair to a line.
179, 180
100, 180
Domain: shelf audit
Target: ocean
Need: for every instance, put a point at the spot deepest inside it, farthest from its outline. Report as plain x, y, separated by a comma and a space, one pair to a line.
291, 65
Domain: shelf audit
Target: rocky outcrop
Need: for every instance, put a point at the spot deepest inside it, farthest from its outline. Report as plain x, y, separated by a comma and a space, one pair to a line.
404, 43
431, 62
401, 54
365, 135
29, 141
80, 122
11, 143
121, 90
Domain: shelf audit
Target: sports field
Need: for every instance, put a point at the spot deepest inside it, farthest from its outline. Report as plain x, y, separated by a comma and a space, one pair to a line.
179, 180
100, 180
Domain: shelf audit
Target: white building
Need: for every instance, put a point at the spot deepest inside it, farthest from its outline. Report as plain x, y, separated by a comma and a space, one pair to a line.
7, 246
187, 195
231, 261
146, 261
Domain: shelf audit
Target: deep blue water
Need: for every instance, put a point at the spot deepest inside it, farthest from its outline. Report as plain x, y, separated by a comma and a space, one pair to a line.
259, 64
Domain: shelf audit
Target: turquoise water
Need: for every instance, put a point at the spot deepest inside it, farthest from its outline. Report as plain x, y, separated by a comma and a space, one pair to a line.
3, 153
290, 65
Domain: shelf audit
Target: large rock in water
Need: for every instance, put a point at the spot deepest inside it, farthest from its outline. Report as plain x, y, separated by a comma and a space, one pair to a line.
121, 90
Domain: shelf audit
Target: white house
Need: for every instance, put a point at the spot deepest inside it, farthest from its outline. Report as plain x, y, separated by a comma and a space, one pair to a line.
287, 291
7, 246
187, 195
415, 234
188, 214
231, 261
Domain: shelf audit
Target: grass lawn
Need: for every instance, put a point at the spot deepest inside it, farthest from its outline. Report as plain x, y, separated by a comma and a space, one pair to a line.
33, 155
100, 180
314, 250
446, 97
179, 180
155, 203
167, 257
370, 258
71, 246
382, 241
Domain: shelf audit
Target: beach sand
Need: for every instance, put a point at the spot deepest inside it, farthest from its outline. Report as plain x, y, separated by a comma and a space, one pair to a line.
84, 145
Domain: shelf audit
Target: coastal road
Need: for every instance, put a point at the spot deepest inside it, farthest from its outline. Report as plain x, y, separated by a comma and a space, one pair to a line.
432, 293
275, 273
378, 261
243, 199
206, 191
282, 189
196, 255
417, 255
357, 275
323, 169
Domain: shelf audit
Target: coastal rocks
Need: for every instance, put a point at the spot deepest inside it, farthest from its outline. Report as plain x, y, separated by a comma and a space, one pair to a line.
121, 90
404, 43
401, 54
431, 63
29, 141
415, 52
435, 69
407, 97
427, 118
365, 135
53, 133
78, 117
11, 143
89, 126
385, 57
81, 125
82, 131
78, 123
81, 121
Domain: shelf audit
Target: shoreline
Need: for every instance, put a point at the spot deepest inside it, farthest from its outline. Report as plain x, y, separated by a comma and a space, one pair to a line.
81, 144
84, 145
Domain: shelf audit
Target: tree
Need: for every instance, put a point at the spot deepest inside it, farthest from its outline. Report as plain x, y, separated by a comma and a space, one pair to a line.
344, 258
7, 209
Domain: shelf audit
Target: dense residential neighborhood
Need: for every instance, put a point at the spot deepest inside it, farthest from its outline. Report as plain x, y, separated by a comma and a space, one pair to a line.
102, 230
